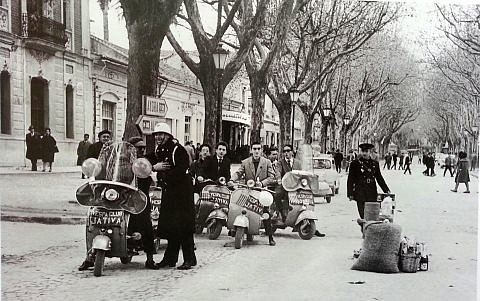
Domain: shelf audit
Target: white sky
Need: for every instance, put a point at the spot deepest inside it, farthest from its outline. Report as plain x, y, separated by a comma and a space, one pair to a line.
416, 28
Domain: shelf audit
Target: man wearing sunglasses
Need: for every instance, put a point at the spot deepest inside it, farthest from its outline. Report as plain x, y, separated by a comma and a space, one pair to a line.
260, 170
286, 164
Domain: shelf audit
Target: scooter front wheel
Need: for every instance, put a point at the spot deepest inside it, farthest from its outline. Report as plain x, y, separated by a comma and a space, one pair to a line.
99, 262
214, 230
307, 229
126, 259
239, 237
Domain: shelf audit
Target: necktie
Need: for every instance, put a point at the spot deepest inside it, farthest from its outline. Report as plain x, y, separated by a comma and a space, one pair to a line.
289, 163
219, 163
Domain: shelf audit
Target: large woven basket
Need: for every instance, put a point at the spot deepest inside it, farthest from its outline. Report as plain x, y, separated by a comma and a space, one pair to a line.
409, 263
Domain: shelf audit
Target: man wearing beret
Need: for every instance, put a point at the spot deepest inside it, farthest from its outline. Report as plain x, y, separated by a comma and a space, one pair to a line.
363, 178
103, 137
142, 222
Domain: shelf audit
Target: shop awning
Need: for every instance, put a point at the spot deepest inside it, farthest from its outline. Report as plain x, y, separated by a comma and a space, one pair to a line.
237, 117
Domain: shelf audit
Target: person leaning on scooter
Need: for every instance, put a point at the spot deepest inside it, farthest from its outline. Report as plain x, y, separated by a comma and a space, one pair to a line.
363, 177
260, 170
176, 222
142, 222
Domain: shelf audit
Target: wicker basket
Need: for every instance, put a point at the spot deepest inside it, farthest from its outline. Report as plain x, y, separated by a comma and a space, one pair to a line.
409, 263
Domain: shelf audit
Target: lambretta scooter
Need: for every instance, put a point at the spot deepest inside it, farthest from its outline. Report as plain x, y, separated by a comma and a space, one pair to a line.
213, 207
249, 207
112, 196
300, 186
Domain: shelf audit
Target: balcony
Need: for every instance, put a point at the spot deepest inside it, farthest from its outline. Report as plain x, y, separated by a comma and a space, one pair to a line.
43, 32
4, 19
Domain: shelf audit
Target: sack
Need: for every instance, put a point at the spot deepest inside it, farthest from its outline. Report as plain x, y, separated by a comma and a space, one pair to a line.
55, 149
380, 248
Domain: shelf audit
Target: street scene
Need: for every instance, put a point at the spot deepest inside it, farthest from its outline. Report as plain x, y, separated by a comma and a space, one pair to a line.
261, 149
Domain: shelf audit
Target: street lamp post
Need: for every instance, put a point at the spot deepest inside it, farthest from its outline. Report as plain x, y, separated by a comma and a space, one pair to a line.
294, 93
346, 122
326, 115
219, 59
465, 132
94, 82
475, 133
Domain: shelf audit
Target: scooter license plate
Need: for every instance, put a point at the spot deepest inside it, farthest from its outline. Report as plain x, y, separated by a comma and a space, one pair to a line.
104, 218
300, 197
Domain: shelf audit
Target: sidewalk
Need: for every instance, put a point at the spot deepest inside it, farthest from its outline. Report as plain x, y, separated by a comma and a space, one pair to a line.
27, 170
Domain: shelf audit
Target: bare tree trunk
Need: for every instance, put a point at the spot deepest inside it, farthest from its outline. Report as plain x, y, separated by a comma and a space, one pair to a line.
285, 117
258, 88
210, 88
308, 128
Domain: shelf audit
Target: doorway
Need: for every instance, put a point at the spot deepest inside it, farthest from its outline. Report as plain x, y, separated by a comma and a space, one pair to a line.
39, 103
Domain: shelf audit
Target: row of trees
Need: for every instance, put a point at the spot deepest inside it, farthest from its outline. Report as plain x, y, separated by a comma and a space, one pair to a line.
336, 54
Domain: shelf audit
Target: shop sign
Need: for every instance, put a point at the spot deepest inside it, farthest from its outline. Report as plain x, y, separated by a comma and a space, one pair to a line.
154, 106
236, 117
146, 124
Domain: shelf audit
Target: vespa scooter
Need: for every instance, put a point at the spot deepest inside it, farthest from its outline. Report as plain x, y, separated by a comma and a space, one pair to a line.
112, 196
300, 186
213, 208
249, 207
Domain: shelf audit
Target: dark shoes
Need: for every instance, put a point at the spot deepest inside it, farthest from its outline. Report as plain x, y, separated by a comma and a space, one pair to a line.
271, 241
163, 264
85, 265
317, 233
150, 264
187, 265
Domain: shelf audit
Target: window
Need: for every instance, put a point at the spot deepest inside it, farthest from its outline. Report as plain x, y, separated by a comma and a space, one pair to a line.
69, 111
66, 15
108, 116
187, 128
5, 107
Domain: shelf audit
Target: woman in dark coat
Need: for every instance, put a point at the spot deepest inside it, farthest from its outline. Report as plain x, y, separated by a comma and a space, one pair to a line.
462, 172
49, 148
34, 147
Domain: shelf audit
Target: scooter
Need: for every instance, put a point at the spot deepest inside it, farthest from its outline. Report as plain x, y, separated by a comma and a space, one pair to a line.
112, 198
213, 207
300, 186
249, 207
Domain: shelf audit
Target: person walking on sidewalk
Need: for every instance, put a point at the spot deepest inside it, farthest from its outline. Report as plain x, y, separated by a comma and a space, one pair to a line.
338, 158
388, 160
448, 165
104, 137
474, 162
463, 175
49, 148
177, 217
363, 178
401, 161
408, 161
34, 147
82, 151
394, 158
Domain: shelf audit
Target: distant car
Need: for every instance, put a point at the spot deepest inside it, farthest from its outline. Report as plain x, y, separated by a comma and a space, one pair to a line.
440, 159
324, 167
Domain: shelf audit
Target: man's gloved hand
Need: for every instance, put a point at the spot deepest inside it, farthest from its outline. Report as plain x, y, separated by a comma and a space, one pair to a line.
200, 179
230, 183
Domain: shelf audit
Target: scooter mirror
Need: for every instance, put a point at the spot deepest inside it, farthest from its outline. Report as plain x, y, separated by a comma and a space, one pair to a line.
142, 168
91, 167
251, 183
222, 180
265, 198
200, 179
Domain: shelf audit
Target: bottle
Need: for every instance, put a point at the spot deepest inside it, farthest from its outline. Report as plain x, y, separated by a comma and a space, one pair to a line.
424, 260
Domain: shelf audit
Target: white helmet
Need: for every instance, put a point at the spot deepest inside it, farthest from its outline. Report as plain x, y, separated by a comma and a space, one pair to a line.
162, 127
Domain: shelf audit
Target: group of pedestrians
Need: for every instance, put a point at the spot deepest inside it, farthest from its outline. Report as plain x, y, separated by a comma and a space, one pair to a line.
41, 147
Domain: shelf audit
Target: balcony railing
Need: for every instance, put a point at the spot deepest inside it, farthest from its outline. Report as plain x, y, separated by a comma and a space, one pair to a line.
37, 26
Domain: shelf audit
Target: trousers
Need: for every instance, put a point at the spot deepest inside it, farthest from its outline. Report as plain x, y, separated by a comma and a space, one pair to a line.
187, 244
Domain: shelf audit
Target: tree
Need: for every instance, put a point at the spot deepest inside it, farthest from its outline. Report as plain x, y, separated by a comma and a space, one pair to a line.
147, 24
104, 8
238, 12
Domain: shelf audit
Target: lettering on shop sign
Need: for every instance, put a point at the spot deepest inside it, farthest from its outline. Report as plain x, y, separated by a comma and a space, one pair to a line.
300, 197
219, 197
250, 203
154, 106
106, 217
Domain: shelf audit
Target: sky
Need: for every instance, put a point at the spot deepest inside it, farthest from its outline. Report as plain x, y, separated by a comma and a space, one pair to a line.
414, 28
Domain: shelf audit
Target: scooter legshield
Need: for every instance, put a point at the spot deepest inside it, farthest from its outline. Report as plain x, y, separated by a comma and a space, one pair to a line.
102, 242
307, 214
241, 221
218, 214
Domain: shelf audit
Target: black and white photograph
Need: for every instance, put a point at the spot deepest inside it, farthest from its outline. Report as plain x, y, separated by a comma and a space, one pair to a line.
239, 149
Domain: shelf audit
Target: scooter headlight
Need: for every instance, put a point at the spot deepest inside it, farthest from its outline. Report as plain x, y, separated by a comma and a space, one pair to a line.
91, 167
222, 181
109, 231
111, 195
216, 206
304, 182
142, 168
250, 183
265, 215
265, 198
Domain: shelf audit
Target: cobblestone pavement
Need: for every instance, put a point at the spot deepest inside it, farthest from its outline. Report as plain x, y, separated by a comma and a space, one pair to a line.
39, 261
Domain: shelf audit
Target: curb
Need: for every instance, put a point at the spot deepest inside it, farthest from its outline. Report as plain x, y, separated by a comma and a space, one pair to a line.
49, 220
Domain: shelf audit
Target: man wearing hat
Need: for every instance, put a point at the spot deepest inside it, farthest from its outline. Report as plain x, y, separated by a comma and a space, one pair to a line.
94, 149
363, 178
34, 147
142, 222
177, 216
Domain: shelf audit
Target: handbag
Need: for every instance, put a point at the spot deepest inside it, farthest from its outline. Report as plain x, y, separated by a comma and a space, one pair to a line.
55, 149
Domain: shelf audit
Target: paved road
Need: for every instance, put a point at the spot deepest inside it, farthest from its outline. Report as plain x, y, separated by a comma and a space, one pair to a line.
39, 261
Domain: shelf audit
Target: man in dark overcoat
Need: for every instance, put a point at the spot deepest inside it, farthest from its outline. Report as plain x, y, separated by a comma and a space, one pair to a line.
82, 151
286, 164
104, 136
34, 147
363, 178
177, 216
218, 165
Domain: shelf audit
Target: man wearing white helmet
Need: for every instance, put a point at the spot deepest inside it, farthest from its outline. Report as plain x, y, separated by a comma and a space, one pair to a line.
177, 218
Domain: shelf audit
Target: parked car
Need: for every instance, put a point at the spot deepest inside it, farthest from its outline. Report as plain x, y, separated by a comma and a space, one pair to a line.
440, 159
324, 167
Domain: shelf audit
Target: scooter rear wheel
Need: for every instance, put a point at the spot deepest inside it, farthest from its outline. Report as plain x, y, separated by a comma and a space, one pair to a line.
306, 231
99, 261
239, 237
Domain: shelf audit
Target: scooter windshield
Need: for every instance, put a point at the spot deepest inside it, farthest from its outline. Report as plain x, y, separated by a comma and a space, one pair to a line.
305, 156
292, 181
117, 160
